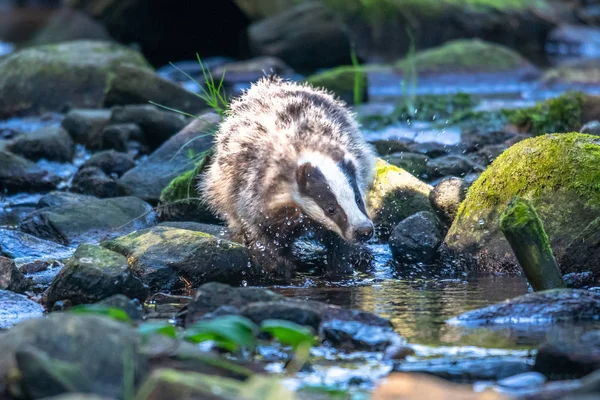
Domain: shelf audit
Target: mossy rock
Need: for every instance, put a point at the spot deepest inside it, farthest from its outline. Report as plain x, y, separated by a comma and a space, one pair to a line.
341, 81
51, 77
558, 173
180, 260
585, 71
395, 195
464, 56
414, 163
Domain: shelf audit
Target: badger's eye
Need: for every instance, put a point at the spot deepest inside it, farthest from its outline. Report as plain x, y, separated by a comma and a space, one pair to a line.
358, 200
330, 210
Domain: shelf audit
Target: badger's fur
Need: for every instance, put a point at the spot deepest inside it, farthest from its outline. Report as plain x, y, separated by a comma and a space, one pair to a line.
290, 158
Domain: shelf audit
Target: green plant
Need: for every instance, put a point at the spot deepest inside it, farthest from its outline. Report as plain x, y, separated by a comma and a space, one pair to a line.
288, 333
359, 80
148, 329
230, 332
99, 309
410, 78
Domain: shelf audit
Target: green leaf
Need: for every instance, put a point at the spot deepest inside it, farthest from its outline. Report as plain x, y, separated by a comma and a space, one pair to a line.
98, 309
328, 391
157, 328
230, 332
288, 333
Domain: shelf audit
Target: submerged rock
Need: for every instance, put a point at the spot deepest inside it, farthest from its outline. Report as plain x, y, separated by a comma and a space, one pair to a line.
50, 77
88, 220
51, 143
20, 175
549, 306
93, 274
15, 308
111, 162
416, 239
356, 336
85, 125
11, 278
150, 177
93, 181
394, 196
446, 198
53, 355
306, 36
558, 173
569, 357
16, 244
174, 259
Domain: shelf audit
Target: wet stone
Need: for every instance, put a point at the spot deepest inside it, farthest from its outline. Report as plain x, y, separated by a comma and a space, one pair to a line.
118, 136
431, 149
170, 259
55, 199
467, 370
89, 220
451, 165
16, 244
486, 155
474, 139
20, 175
416, 239
51, 143
53, 354
93, 181
132, 307
15, 308
387, 147
37, 266
447, 196
219, 231
354, 336
569, 357
414, 163
549, 306
110, 162
11, 278
93, 274
85, 125
579, 280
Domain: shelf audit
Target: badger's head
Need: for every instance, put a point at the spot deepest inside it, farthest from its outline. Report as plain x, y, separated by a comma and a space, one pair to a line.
328, 192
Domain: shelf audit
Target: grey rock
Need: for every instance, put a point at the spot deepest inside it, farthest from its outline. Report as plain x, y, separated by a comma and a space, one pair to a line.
447, 196
111, 162
93, 274
452, 165
93, 181
11, 278
15, 308
85, 125
355, 336
416, 239
20, 175
132, 307
118, 136
569, 357
19, 245
52, 143
474, 139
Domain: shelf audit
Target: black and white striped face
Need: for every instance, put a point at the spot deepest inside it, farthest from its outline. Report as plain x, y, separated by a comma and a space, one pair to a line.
328, 193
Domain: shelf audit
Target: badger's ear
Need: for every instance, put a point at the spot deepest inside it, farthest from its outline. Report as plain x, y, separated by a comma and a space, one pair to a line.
305, 174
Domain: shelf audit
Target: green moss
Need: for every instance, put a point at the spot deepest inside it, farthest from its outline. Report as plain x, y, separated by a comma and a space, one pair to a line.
185, 185
481, 120
561, 114
464, 55
341, 80
431, 107
520, 213
549, 163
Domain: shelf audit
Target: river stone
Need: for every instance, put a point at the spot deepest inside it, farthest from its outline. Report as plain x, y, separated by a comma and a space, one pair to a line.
414, 163
19, 245
430, 149
306, 36
569, 357
158, 125
557, 173
90, 220
61, 348
452, 165
150, 177
355, 336
548, 306
416, 239
119, 136
474, 139
487, 154
93, 181
219, 231
85, 125
51, 143
11, 278
93, 274
394, 196
132, 307
171, 259
111, 162
56, 198
15, 308
446, 198
385, 147
135, 85
20, 175
50, 77
467, 370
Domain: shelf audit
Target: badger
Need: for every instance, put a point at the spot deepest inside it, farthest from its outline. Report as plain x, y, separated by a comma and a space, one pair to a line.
290, 159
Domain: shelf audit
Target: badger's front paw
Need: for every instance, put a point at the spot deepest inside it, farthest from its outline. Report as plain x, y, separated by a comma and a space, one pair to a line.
275, 266
361, 257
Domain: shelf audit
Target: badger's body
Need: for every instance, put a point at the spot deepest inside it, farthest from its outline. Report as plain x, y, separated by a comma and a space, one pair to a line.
290, 158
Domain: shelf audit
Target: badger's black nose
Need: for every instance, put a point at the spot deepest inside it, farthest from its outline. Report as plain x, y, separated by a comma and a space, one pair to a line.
364, 232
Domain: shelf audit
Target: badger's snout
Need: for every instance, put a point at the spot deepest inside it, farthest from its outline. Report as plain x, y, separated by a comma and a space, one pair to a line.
363, 232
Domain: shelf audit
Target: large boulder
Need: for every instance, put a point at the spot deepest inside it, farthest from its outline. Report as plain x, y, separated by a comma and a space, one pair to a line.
394, 196
93, 274
70, 352
51, 77
179, 259
151, 176
306, 36
20, 175
90, 219
558, 173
